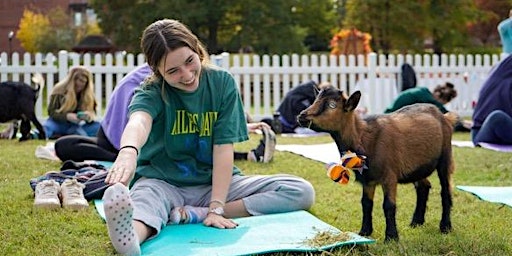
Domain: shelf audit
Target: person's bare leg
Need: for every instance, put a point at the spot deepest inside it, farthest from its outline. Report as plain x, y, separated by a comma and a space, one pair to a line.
235, 209
143, 232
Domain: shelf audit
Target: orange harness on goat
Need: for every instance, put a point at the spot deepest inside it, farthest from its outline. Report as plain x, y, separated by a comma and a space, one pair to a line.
341, 171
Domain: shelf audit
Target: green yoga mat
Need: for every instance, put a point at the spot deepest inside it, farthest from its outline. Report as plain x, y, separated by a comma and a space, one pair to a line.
500, 195
283, 232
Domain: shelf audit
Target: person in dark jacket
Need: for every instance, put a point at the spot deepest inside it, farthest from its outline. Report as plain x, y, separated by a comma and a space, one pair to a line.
492, 116
297, 99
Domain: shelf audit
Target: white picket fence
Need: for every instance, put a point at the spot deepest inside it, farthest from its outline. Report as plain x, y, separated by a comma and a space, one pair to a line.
264, 80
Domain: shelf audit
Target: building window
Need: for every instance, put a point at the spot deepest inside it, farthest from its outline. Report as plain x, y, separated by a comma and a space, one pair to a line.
78, 19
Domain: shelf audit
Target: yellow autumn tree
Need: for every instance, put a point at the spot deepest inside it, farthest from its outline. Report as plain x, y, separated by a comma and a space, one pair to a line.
32, 29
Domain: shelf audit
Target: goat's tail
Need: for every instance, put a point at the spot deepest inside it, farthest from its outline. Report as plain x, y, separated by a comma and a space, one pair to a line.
452, 118
38, 80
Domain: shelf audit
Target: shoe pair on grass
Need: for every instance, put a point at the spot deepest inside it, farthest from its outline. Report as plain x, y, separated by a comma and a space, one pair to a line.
49, 193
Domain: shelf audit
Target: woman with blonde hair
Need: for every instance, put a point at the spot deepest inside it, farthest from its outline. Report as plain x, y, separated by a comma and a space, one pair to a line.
72, 107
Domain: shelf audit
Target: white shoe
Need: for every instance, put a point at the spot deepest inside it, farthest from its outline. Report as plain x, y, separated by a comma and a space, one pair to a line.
47, 152
73, 195
47, 195
270, 144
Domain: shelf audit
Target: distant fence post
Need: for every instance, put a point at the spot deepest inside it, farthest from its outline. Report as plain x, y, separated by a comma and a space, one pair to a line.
372, 80
221, 60
63, 65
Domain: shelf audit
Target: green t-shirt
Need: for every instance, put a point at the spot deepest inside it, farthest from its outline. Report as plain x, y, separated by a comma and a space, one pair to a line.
414, 95
186, 125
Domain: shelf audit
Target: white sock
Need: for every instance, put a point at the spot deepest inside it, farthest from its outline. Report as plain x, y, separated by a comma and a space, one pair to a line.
188, 214
118, 208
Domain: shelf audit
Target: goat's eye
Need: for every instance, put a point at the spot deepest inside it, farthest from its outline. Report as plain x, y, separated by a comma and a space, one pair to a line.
331, 104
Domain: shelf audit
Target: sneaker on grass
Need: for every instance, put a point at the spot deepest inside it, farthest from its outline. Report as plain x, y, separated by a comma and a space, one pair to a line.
47, 195
73, 195
265, 150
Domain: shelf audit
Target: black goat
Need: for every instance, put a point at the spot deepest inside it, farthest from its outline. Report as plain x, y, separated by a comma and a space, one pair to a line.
402, 147
17, 102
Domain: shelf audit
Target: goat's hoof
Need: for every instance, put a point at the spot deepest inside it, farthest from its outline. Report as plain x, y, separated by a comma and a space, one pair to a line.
416, 223
445, 226
365, 232
446, 229
390, 238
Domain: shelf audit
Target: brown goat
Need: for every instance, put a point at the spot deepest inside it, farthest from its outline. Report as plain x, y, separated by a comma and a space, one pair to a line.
402, 147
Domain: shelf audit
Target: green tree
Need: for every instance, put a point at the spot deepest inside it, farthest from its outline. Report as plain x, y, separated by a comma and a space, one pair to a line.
319, 20
448, 23
119, 21
392, 24
406, 25
483, 27
270, 26
60, 36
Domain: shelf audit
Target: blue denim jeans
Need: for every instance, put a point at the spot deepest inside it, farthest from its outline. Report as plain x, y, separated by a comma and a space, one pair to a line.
53, 127
497, 129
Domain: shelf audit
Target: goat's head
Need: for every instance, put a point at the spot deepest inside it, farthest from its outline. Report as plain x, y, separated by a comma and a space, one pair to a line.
330, 109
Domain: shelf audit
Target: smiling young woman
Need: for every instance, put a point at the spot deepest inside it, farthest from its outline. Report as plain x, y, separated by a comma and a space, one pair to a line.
183, 122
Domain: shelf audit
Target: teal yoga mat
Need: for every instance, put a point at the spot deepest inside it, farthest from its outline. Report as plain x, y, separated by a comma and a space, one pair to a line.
501, 195
283, 232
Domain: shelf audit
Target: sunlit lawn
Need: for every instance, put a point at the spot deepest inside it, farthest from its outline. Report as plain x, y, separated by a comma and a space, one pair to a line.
480, 228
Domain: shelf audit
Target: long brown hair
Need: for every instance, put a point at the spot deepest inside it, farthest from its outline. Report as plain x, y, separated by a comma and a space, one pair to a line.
66, 87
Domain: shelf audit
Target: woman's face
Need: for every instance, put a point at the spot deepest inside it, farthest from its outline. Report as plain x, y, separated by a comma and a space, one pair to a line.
181, 69
80, 83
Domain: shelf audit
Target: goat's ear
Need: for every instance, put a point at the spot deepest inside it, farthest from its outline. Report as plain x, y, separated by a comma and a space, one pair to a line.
352, 101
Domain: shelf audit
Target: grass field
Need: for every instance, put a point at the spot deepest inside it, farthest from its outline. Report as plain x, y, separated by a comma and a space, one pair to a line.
480, 228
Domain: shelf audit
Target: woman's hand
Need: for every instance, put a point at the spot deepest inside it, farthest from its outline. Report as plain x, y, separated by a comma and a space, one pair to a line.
87, 116
219, 221
135, 134
123, 169
73, 118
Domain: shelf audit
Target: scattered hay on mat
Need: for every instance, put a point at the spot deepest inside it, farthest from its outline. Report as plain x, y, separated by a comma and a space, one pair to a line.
327, 237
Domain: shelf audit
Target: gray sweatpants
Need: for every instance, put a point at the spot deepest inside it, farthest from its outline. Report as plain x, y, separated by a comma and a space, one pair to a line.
154, 199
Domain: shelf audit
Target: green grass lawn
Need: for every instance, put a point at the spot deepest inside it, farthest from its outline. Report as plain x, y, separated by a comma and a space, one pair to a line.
480, 228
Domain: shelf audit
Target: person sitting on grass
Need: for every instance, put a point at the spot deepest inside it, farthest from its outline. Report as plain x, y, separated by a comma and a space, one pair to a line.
297, 99
72, 107
492, 116
441, 95
176, 151
105, 146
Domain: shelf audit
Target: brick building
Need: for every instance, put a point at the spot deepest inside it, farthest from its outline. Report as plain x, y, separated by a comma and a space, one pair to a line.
11, 12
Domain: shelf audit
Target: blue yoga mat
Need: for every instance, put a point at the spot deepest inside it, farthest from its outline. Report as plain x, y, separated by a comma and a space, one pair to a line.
501, 195
283, 232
